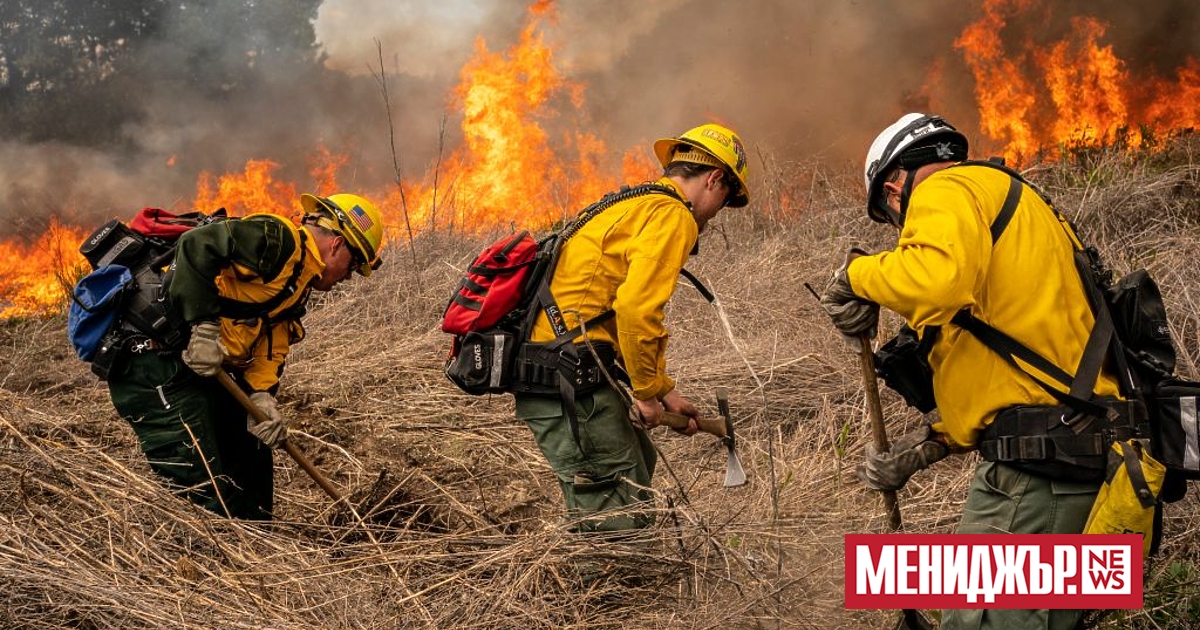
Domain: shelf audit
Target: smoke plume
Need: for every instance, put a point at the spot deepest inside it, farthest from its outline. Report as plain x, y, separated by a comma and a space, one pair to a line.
798, 79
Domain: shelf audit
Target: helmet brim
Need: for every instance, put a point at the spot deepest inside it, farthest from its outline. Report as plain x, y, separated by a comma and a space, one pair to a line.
664, 148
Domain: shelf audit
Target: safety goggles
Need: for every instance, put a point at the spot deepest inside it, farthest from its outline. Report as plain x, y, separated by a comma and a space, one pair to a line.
356, 257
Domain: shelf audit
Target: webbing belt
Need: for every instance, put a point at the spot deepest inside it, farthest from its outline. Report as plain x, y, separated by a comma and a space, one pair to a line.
1039, 448
1038, 433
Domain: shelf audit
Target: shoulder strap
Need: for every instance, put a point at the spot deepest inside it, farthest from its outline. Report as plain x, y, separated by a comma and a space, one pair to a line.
543, 300
237, 309
1010, 200
997, 163
1007, 210
700, 288
611, 199
1081, 387
1010, 350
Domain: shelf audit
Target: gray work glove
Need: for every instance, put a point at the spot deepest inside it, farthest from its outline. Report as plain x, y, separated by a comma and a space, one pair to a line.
205, 353
274, 431
911, 452
851, 314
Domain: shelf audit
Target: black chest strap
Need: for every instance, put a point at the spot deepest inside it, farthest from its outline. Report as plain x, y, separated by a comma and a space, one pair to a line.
237, 309
1081, 386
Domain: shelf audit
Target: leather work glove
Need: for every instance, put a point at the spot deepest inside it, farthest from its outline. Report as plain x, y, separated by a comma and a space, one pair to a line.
851, 314
205, 353
911, 452
274, 431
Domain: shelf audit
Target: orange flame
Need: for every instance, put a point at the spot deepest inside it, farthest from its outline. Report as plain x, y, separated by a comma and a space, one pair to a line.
48, 266
1076, 93
1085, 82
253, 190
1180, 104
1004, 95
511, 170
638, 165
323, 168
519, 164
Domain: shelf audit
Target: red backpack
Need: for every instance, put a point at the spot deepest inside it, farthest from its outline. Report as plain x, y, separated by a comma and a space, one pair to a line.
149, 235
492, 311
159, 223
493, 285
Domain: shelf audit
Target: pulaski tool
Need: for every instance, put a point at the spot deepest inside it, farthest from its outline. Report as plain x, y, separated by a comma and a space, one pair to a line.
303, 461
910, 619
878, 429
721, 427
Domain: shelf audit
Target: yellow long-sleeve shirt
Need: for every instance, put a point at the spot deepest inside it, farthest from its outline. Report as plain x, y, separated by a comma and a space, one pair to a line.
1026, 285
627, 258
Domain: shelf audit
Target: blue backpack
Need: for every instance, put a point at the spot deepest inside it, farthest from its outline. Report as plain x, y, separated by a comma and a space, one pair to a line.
95, 303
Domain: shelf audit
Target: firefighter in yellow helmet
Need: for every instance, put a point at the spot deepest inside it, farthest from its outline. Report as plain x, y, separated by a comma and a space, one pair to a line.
241, 285
626, 259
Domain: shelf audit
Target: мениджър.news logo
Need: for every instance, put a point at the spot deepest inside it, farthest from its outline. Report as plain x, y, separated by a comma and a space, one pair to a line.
929, 571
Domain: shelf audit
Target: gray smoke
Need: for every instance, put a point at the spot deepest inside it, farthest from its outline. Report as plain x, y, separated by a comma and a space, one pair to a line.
798, 79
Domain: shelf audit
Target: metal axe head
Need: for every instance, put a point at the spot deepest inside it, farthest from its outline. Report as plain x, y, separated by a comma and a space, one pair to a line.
735, 475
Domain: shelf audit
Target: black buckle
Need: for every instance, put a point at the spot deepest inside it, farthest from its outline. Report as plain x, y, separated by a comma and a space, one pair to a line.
590, 376
1022, 448
568, 359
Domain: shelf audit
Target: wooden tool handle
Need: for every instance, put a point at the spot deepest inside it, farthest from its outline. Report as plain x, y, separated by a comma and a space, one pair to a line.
878, 429
301, 459
715, 426
722, 401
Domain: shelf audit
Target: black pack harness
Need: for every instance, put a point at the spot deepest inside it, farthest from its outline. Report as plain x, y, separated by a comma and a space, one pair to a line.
150, 323
557, 366
1080, 431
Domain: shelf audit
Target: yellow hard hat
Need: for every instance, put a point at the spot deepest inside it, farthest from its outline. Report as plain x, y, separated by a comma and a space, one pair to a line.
356, 219
713, 145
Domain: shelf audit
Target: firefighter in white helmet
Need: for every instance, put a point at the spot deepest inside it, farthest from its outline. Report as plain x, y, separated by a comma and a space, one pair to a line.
626, 259
242, 286
978, 244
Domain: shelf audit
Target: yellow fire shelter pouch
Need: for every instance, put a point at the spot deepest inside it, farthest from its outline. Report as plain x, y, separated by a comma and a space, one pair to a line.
1129, 496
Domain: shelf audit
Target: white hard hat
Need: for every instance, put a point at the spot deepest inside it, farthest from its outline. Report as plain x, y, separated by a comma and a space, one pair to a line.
914, 140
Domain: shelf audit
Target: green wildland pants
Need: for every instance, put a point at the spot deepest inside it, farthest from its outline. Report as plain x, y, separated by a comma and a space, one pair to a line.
1001, 500
194, 435
608, 470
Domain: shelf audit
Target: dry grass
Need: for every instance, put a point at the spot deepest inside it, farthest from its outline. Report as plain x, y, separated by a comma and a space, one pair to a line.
469, 532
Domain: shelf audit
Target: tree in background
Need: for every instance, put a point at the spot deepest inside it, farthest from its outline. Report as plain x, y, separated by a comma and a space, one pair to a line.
76, 71
62, 66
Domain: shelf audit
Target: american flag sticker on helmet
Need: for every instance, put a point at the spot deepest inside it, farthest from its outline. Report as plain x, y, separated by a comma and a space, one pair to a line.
360, 218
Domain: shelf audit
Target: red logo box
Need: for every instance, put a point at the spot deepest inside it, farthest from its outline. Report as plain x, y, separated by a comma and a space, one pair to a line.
941, 571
